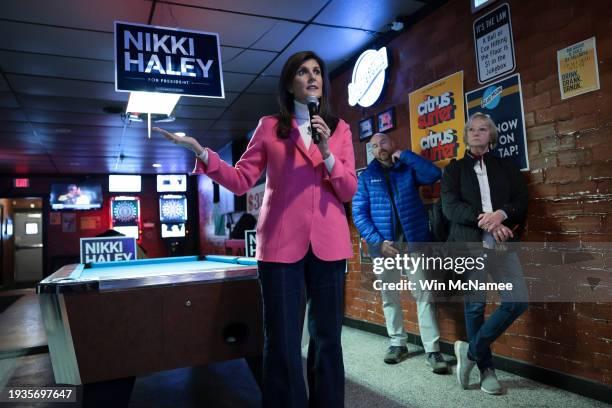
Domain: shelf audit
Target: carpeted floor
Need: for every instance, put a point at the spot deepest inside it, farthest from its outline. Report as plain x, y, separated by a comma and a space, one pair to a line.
370, 383
7, 300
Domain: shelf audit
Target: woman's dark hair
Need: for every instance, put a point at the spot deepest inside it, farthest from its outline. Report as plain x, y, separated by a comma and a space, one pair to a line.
285, 98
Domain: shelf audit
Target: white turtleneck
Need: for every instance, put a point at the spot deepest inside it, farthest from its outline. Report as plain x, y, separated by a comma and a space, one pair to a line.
303, 120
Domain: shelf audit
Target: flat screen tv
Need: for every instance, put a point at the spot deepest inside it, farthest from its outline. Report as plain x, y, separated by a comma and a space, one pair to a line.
86, 195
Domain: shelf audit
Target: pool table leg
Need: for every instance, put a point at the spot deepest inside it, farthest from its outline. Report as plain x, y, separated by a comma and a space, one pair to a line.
112, 393
256, 366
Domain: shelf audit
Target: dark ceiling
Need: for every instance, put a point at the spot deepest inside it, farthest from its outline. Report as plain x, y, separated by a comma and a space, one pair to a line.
57, 74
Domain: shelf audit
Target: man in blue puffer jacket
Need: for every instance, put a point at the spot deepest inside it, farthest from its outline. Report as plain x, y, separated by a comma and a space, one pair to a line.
388, 210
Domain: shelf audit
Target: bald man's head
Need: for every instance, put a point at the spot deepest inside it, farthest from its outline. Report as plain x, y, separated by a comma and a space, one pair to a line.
382, 148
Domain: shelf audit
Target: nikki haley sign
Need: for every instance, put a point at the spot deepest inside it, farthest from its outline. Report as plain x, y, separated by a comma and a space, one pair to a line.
166, 60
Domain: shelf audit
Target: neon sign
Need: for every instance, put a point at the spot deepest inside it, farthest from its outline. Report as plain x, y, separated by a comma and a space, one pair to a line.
368, 77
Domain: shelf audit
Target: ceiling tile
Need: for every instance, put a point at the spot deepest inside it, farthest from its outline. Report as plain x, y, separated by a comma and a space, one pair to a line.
249, 61
66, 104
93, 15
245, 125
264, 85
7, 100
61, 67
26, 163
251, 107
65, 87
227, 53
316, 38
16, 150
68, 118
300, 10
234, 29
15, 114
15, 127
57, 41
236, 82
58, 56
197, 112
17, 137
373, 15
212, 102
278, 36
3, 84
187, 125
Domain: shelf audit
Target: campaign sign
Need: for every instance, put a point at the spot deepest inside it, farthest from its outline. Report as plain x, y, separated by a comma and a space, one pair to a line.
250, 243
166, 60
108, 249
494, 44
503, 102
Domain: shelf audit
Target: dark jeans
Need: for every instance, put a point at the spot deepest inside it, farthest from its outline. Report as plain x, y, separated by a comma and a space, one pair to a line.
504, 267
283, 287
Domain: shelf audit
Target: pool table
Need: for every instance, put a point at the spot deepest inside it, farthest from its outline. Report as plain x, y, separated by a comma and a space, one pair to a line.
106, 321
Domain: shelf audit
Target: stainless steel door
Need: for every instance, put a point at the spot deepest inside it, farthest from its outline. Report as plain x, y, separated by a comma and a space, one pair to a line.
28, 246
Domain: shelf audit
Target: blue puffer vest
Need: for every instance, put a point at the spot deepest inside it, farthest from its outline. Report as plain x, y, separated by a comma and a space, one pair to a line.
372, 209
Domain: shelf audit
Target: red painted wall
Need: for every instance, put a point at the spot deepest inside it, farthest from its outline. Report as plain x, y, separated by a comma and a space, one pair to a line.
63, 247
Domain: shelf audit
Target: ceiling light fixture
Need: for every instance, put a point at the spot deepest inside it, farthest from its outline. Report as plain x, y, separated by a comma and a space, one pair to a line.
162, 119
157, 165
397, 26
151, 102
134, 117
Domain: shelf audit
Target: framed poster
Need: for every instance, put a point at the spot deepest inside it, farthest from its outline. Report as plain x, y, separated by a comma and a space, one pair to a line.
69, 222
386, 120
366, 128
578, 68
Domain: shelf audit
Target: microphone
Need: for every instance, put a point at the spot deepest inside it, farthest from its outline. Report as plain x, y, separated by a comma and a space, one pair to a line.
313, 109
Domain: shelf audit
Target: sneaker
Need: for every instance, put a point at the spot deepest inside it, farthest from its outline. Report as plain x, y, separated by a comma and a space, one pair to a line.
437, 363
464, 364
489, 382
396, 354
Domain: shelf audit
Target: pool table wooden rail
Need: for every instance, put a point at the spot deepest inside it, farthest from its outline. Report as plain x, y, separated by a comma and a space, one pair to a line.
98, 335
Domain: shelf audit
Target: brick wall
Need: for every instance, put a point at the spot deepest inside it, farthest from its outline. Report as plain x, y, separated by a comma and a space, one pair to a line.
570, 181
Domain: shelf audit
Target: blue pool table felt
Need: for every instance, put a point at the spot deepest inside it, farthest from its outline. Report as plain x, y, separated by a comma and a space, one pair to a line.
143, 268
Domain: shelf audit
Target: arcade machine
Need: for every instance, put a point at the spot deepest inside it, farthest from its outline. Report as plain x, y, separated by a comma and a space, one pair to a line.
125, 216
173, 211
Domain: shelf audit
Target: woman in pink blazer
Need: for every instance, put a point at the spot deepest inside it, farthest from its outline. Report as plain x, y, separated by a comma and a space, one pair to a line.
302, 234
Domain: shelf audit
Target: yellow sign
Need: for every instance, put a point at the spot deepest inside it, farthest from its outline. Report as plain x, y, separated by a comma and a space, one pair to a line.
437, 119
578, 69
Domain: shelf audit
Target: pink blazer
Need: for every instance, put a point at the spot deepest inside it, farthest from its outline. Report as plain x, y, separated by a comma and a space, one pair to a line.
302, 202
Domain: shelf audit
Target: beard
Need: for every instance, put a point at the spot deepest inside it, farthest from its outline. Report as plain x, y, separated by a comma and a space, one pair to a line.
384, 156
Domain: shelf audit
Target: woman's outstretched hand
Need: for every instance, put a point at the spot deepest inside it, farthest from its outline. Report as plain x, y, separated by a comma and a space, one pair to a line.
185, 141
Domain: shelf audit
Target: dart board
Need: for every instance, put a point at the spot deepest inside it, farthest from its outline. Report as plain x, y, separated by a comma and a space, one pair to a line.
125, 212
173, 209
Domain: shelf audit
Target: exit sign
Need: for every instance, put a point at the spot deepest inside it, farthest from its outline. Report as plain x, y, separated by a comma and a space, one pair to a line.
21, 183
